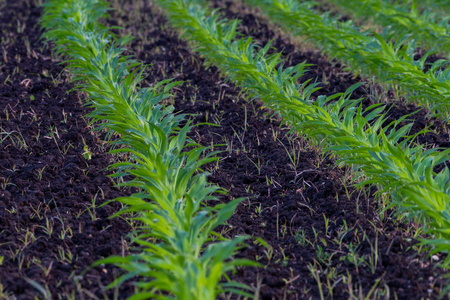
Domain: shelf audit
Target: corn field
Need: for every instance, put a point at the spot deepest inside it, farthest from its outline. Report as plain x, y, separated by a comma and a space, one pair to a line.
193, 149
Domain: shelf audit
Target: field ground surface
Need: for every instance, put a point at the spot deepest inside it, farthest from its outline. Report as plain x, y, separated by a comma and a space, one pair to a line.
324, 236
50, 228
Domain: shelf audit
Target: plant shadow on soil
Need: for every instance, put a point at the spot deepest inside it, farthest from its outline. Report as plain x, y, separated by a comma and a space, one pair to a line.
289, 201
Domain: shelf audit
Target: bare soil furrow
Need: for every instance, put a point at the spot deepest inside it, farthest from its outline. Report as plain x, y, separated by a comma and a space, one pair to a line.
290, 200
53, 175
322, 234
332, 75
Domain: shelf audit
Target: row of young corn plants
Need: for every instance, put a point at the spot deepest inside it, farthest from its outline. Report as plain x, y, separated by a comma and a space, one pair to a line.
178, 255
428, 29
357, 137
368, 53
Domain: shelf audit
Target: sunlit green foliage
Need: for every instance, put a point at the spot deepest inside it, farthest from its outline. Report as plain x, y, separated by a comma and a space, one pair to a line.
180, 257
368, 53
356, 136
428, 29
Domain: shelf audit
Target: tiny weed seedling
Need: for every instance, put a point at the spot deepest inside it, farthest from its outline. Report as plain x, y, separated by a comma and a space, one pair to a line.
165, 163
356, 136
87, 154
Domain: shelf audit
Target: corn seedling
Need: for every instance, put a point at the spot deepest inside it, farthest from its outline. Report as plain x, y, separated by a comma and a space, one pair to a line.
177, 259
369, 53
357, 137
427, 28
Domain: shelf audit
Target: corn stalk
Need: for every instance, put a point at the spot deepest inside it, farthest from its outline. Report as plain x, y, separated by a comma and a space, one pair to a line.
368, 53
179, 254
384, 153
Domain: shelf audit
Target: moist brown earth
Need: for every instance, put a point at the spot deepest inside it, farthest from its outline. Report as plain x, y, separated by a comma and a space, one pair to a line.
333, 76
284, 196
289, 201
51, 227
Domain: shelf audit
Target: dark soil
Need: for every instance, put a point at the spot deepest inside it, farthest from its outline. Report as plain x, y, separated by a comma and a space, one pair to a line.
287, 200
46, 184
283, 198
333, 76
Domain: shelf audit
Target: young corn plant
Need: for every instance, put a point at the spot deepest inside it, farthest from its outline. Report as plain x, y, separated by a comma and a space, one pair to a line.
179, 255
356, 136
368, 53
428, 29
